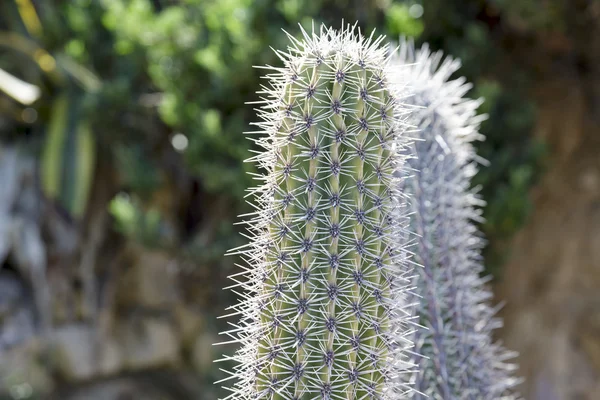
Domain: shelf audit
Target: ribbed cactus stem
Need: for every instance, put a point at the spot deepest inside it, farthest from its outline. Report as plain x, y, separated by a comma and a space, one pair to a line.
318, 318
459, 358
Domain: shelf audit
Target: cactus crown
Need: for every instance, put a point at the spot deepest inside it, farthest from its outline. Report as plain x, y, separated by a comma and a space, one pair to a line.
460, 360
318, 318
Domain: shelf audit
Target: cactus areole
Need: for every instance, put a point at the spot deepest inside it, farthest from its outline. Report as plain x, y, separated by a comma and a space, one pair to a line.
322, 290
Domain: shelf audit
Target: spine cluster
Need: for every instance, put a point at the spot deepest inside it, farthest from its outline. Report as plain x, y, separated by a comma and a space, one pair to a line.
458, 359
318, 318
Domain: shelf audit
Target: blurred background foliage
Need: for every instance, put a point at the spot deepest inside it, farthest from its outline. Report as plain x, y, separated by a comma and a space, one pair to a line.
147, 100
165, 82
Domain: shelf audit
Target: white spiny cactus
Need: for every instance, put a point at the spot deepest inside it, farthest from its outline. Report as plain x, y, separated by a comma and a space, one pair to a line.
459, 359
317, 316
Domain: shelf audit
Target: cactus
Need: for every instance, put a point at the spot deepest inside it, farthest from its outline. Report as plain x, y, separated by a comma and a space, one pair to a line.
317, 316
459, 359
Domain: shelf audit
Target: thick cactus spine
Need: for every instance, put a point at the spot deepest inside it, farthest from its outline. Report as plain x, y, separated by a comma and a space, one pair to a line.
318, 318
459, 359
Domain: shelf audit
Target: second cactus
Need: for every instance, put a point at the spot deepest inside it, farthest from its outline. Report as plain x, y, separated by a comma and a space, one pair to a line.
458, 358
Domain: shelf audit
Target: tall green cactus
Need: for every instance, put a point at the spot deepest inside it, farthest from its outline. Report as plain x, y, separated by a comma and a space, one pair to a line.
318, 318
459, 359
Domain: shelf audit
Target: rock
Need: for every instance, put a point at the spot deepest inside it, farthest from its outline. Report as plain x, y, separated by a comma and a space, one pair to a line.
148, 343
16, 314
79, 354
11, 292
9, 176
150, 281
28, 248
119, 389
552, 274
5, 232
17, 327
190, 323
73, 351
29, 253
110, 360
22, 370
157, 384
203, 352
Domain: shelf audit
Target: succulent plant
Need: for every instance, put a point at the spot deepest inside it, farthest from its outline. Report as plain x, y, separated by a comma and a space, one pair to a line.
458, 358
324, 285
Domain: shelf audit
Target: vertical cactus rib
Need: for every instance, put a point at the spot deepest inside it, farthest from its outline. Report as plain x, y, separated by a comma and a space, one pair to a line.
318, 318
459, 359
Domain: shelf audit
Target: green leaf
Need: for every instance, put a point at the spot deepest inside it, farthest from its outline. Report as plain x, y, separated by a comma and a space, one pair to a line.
401, 22
69, 156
